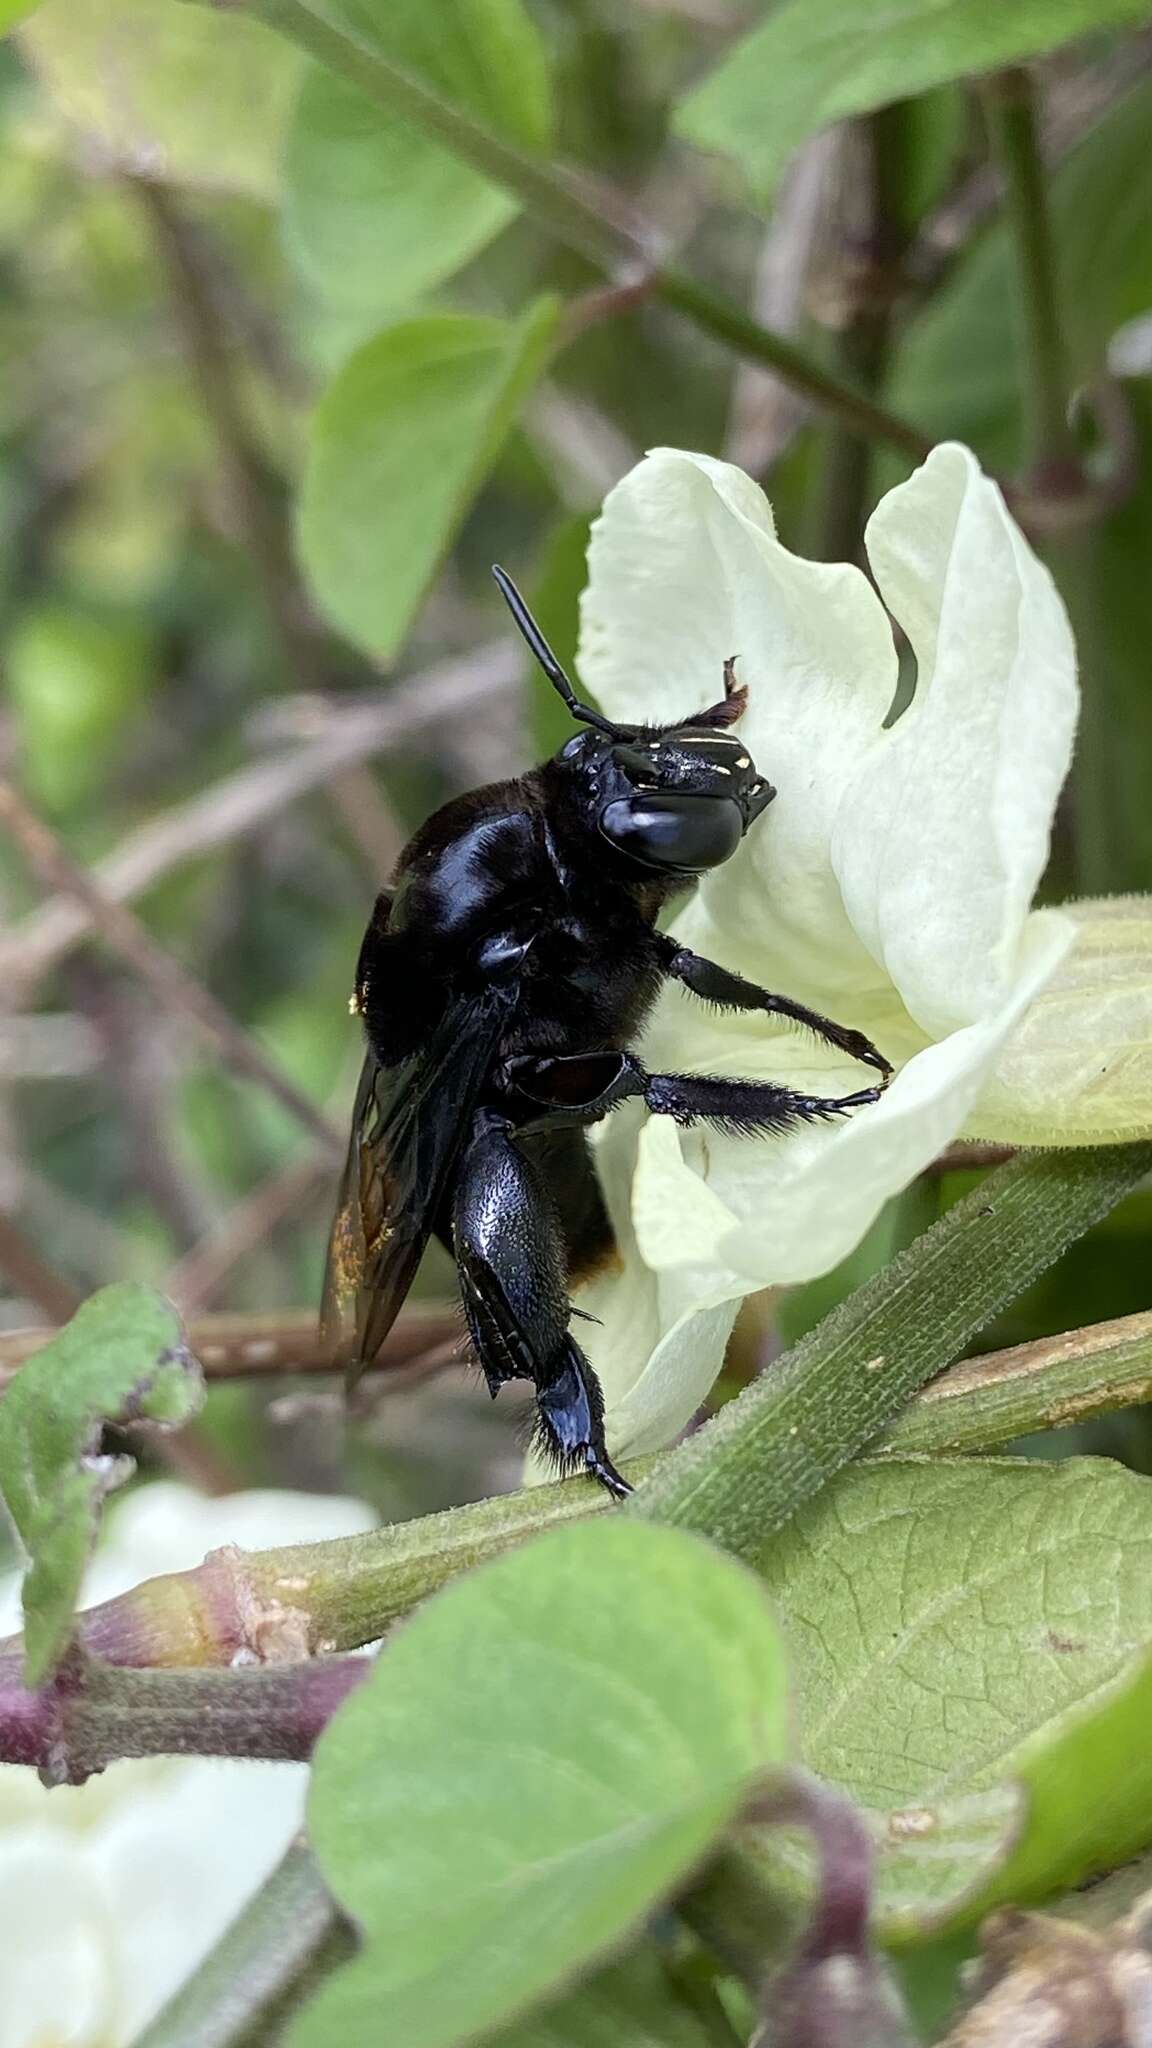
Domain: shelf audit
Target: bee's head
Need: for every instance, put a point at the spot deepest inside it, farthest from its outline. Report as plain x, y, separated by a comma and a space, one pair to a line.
677, 798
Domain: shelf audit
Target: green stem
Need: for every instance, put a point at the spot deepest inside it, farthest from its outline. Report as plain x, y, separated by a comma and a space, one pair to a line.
986, 1402
871, 267
744, 1475
287, 1937
1010, 102
320, 1597
582, 213
729, 323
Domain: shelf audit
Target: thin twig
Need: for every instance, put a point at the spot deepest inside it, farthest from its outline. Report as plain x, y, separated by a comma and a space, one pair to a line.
32, 1277
258, 521
868, 282
194, 1280
765, 411
240, 803
139, 1070
177, 989
1010, 100
282, 1342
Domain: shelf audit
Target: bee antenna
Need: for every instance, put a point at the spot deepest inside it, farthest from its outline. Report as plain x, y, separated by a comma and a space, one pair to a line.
548, 662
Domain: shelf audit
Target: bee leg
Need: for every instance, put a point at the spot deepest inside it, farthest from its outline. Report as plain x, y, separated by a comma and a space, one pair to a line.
731, 992
510, 1260
739, 1106
745, 1107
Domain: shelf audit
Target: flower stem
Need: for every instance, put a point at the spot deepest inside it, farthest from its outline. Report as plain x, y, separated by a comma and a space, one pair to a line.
92, 1714
585, 214
1010, 103
742, 1476
336, 1595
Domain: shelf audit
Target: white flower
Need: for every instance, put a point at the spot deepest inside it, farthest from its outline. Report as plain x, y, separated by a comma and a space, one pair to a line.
888, 885
112, 1892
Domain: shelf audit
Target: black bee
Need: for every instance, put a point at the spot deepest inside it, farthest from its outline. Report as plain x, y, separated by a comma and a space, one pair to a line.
502, 981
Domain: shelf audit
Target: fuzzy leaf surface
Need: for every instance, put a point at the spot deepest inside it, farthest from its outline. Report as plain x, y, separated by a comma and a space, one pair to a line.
122, 1358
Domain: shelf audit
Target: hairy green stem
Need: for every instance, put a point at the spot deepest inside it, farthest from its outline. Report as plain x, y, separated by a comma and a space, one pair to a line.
316, 1598
1010, 102
584, 214
288, 1936
747, 1472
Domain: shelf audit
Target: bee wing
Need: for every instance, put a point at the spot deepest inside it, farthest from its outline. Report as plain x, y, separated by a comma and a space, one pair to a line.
409, 1124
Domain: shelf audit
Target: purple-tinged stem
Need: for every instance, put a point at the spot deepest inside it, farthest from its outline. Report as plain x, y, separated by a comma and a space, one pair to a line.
92, 1714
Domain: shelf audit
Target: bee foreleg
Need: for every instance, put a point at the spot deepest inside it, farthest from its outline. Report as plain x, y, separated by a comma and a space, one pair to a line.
715, 984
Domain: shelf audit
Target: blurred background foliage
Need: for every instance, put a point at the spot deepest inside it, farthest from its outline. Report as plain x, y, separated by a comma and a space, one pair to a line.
282, 371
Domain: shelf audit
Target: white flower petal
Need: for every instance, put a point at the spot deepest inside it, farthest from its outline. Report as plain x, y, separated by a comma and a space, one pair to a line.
177, 1867
57, 1950
942, 834
724, 1216
684, 570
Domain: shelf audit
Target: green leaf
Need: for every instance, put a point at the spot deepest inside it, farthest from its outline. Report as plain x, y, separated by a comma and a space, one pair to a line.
121, 1359
377, 211
401, 442
958, 1627
198, 98
540, 1755
77, 678
630, 2005
12, 11
957, 371
483, 56
817, 61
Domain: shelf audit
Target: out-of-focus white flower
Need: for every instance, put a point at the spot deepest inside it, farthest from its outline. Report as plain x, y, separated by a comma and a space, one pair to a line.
889, 885
113, 1891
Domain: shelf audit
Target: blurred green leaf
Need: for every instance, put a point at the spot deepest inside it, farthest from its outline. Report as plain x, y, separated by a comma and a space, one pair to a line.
539, 1756
630, 2005
963, 1625
190, 95
401, 442
76, 680
375, 212
482, 55
12, 11
121, 1359
817, 61
957, 371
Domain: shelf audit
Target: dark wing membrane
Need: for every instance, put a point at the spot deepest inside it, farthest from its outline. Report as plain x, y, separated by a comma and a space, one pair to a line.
409, 1123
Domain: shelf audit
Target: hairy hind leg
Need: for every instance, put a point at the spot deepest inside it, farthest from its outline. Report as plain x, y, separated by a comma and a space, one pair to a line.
511, 1260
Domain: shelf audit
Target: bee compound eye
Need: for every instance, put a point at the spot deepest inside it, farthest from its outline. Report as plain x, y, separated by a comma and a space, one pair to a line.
674, 831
